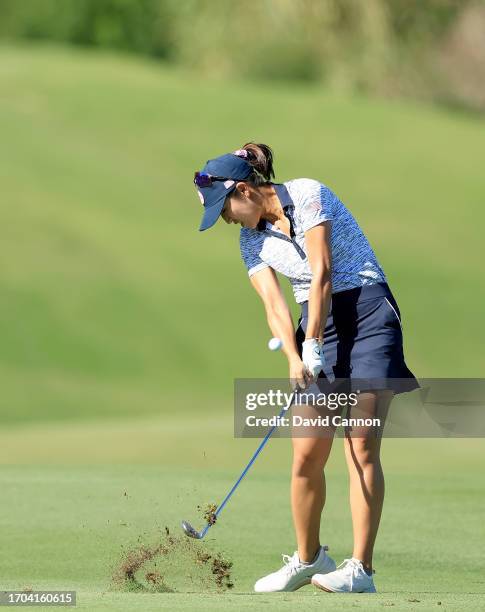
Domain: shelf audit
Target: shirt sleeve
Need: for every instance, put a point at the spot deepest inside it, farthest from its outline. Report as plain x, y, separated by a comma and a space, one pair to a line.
315, 203
250, 253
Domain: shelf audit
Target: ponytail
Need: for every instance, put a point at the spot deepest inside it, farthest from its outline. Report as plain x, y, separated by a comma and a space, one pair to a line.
260, 156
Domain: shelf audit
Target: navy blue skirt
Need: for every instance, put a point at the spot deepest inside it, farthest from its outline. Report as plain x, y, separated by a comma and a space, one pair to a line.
363, 341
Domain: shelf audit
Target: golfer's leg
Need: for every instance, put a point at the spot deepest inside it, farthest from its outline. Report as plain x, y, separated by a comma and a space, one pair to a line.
308, 492
366, 476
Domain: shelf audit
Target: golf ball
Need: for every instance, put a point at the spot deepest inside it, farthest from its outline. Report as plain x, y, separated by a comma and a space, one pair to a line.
275, 344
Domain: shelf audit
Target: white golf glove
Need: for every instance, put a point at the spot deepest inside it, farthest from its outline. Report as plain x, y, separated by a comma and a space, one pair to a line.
312, 356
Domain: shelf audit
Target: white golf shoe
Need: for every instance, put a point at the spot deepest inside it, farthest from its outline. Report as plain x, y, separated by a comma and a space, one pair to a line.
295, 574
349, 577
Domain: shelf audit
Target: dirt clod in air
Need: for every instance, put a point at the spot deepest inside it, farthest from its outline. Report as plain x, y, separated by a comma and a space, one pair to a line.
221, 569
154, 578
209, 513
172, 564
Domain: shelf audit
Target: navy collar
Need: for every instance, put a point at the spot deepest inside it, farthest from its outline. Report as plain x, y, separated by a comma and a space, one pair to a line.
283, 194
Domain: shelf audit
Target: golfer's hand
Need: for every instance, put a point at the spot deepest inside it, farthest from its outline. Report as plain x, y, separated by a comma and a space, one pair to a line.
300, 377
312, 357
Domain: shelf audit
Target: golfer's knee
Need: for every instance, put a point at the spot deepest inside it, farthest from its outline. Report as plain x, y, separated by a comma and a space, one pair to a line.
307, 463
362, 451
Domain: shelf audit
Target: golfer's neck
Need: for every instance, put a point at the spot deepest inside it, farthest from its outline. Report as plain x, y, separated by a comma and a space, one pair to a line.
272, 209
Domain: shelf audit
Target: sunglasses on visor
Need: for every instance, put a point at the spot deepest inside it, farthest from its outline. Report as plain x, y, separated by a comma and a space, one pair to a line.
202, 179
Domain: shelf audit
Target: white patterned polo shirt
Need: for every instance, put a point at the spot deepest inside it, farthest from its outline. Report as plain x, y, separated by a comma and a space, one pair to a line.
307, 203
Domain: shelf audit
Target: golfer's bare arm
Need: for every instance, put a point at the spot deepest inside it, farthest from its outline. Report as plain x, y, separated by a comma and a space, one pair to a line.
317, 242
277, 312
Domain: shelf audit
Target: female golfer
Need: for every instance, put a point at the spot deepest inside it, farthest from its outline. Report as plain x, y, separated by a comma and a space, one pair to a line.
349, 328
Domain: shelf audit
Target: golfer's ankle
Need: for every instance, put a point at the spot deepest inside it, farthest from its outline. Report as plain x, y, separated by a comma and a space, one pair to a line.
308, 555
367, 569
366, 564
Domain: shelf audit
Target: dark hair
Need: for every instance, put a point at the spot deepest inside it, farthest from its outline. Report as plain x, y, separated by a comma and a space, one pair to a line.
260, 156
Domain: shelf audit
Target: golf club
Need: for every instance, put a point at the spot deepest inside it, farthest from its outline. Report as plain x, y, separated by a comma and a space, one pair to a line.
187, 527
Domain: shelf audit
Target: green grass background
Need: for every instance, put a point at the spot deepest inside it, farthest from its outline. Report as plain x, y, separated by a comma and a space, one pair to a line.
122, 327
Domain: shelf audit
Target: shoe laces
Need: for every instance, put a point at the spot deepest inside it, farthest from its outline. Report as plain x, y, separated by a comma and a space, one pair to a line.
351, 568
291, 563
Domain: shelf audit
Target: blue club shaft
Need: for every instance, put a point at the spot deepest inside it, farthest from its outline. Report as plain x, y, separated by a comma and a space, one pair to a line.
246, 469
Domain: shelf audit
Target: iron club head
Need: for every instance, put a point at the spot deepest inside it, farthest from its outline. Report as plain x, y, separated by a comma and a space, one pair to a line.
190, 531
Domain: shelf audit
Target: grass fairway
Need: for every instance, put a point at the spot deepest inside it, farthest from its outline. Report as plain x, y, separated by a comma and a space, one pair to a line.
63, 527
122, 328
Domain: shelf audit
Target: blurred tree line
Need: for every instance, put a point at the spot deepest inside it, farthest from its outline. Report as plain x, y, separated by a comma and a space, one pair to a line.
427, 49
